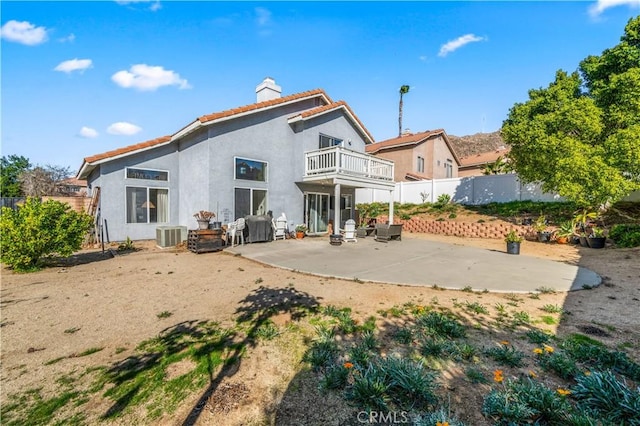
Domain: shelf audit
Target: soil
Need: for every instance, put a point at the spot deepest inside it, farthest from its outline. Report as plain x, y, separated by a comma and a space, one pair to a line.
101, 300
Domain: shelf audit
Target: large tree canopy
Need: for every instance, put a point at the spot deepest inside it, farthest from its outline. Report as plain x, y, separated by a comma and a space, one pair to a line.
580, 136
11, 168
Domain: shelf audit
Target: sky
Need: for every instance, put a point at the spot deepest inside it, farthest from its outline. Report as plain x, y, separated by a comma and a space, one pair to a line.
80, 78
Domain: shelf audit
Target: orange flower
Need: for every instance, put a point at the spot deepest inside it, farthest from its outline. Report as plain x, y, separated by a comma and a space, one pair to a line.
442, 423
532, 374
497, 376
563, 392
348, 365
548, 348
504, 342
537, 351
587, 373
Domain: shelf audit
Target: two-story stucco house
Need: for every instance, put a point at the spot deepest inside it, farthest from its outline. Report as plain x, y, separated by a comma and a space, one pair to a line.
419, 156
302, 155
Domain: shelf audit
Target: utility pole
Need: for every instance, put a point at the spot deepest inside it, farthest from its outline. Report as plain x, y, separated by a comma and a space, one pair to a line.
403, 89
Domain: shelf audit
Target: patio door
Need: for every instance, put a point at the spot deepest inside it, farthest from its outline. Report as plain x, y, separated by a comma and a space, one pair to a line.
317, 212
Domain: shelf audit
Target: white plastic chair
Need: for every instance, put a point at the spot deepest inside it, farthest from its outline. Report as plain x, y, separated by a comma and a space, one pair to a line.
280, 227
236, 229
349, 233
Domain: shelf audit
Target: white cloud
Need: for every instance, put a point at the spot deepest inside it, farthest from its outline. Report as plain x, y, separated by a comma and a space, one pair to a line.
423, 58
601, 5
74, 65
147, 77
23, 32
70, 38
88, 132
263, 16
456, 44
123, 128
154, 6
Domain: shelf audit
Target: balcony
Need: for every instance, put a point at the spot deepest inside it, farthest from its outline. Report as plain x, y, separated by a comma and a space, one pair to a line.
344, 166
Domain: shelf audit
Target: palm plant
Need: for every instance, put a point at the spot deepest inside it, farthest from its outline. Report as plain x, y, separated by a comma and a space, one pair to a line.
403, 90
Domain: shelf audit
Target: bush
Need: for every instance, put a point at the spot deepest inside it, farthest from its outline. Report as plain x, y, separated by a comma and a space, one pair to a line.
39, 229
626, 235
610, 397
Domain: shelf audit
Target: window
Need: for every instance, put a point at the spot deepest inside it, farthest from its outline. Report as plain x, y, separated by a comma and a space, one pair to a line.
147, 205
448, 168
420, 164
147, 174
250, 201
328, 141
250, 169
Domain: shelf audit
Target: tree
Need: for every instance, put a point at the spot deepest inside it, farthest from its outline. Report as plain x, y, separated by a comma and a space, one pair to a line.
404, 89
11, 168
580, 136
41, 181
38, 229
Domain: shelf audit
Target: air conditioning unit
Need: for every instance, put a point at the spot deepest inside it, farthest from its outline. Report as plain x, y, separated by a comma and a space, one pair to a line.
169, 236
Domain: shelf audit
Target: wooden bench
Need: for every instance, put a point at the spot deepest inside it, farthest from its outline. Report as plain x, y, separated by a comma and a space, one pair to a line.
386, 232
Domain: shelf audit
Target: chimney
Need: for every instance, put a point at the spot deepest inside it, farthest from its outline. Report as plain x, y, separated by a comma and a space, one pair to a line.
406, 132
268, 90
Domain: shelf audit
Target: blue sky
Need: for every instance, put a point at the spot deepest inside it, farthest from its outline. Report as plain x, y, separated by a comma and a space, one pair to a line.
81, 78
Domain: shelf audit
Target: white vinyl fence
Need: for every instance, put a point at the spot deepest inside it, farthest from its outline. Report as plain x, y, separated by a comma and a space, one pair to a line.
464, 190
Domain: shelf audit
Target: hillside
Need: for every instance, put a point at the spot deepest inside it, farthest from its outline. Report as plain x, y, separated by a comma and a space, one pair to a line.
477, 143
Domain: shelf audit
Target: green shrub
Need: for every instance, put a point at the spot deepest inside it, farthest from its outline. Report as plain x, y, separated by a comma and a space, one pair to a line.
435, 323
611, 398
507, 355
39, 229
625, 235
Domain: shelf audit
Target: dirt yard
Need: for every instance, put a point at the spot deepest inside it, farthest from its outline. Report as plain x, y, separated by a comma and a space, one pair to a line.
114, 303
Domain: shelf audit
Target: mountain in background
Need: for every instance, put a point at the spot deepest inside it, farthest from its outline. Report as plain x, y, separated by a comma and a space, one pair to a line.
478, 143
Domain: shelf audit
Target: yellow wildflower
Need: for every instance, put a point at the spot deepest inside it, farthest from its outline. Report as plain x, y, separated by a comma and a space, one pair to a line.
564, 392
548, 348
442, 423
348, 365
587, 373
532, 374
504, 342
497, 376
537, 351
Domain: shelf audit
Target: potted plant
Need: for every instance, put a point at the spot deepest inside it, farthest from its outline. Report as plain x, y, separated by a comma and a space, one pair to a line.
597, 238
204, 217
565, 231
541, 228
301, 230
513, 241
582, 219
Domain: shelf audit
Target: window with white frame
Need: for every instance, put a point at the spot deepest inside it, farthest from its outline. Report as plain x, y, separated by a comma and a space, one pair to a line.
147, 174
328, 141
250, 201
147, 205
420, 164
250, 169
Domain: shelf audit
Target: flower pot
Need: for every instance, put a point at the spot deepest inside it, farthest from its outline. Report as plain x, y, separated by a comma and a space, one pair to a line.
299, 235
335, 239
513, 248
203, 224
562, 240
596, 242
544, 237
584, 241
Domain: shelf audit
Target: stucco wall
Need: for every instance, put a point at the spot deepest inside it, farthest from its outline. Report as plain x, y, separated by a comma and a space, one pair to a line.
201, 168
441, 156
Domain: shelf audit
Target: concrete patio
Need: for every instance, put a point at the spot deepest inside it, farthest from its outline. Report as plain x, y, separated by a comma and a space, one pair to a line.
418, 262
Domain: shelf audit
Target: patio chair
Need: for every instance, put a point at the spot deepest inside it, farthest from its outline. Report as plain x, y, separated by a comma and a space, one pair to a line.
236, 229
280, 227
349, 233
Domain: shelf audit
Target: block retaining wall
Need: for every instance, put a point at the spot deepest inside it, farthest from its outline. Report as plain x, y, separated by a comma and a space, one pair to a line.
459, 229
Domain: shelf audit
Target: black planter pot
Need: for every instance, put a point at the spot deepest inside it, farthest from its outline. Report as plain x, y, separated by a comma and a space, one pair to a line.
584, 241
513, 248
335, 239
544, 237
596, 242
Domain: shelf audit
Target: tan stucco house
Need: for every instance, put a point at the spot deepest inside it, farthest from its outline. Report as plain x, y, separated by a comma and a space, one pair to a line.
419, 156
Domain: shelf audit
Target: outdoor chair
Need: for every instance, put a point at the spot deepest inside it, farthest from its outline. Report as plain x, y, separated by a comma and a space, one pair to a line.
236, 229
349, 233
280, 227
386, 232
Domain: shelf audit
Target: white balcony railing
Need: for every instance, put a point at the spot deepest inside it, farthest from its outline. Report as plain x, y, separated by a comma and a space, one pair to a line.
342, 161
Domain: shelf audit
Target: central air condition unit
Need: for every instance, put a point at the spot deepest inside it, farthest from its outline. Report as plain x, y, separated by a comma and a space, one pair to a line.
169, 236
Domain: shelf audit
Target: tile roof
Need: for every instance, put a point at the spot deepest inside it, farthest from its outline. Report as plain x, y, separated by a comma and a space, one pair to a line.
127, 149
333, 106
483, 158
408, 139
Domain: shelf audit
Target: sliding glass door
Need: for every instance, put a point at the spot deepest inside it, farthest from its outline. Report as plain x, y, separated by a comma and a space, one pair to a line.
317, 212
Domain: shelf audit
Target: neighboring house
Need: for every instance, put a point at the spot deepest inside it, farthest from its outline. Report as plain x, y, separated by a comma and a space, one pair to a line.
474, 165
419, 156
302, 155
72, 187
